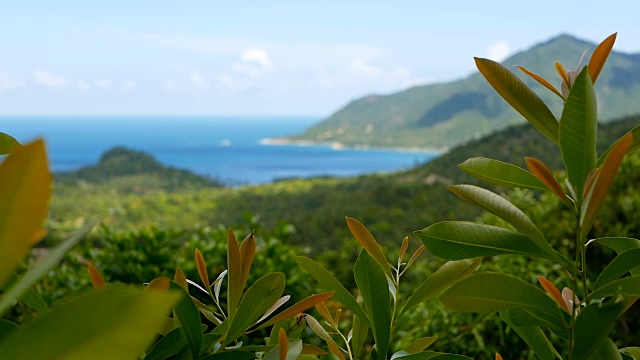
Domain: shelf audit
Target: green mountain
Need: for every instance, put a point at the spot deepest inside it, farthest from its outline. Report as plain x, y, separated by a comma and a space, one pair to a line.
446, 114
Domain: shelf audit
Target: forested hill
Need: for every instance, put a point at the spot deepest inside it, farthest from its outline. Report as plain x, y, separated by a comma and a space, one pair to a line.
446, 114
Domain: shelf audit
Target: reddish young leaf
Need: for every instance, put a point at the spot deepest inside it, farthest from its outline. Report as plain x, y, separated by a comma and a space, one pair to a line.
96, 278
553, 291
202, 269
283, 345
161, 283
542, 172
247, 252
180, 279
541, 80
367, 241
600, 55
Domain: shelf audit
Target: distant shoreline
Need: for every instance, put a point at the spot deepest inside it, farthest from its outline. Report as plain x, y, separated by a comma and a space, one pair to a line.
336, 145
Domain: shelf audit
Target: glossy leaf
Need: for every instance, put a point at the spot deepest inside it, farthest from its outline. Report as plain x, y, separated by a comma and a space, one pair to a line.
125, 325
181, 279
40, 268
520, 97
603, 181
447, 275
553, 291
563, 74
372, 284
161, 283
234, 272
420, 344
633, 351
619, 244
607, 350
542, 172
329, 282
577, 136
455, 240
230, 355
505, 210
96, 278
283, 345
592, 327
247, 252
629, 285
501, 173
7, 144
274, 307
415, 255
201, 266
487, 291
535, 317
169, 345
360, 330
600, 55
298, 307
294, 350
256, 301
635, 144
627, 261
315, 326
533, 337
541, 80
25, 190
429, 355
189, 318
367, 241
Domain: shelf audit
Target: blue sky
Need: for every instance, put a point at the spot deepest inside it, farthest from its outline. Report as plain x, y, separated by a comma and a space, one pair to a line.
265, 57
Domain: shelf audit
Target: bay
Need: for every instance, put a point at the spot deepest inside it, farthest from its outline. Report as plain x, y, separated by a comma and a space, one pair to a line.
227, 148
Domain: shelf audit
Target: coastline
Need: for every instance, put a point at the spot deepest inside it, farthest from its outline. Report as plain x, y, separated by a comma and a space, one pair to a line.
336, 145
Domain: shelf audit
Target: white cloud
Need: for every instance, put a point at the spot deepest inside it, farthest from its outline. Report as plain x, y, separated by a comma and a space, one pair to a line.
170, 86
47, 79
498, 51
82, 86
257, 56
104, 84
129, 85
8, 82
198, 80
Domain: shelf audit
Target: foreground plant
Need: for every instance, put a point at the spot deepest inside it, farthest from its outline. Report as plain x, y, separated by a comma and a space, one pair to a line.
583, 314
379, 306
109, 324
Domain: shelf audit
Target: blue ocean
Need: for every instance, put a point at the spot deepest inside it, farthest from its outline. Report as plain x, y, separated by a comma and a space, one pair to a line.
225, 148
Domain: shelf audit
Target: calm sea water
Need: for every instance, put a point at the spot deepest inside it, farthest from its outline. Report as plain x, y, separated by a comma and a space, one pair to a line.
221, 147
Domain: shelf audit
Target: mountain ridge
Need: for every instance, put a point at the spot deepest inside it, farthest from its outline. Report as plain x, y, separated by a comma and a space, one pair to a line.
445, 114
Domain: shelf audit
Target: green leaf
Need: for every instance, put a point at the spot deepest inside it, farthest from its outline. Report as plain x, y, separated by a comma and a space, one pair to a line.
189, 318
520, 97
533, 336
168, 346
40, 268
372, 284
329, 282
298, 307
619, 244
629, 286
592, 327
234, 273
230, 355
428, 355
294, 350
25, 190
625, 262
367, 241
455, 240
6, 327
33, 300
258, 298
528, 317
420, 344
501, 174
607, 350
578, 126
360, 330
7, 144
505, 210
633, 351
635, 133
105, 324
488, 291
447, 275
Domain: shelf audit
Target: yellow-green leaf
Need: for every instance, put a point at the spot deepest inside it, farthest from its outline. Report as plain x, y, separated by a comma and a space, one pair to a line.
563, 74
600, 55
108, 324
541, 80
367, 241
500, 173
7, 144
181, 279
520, 97
25, 189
